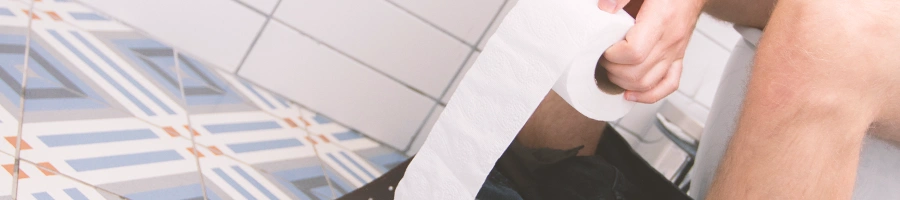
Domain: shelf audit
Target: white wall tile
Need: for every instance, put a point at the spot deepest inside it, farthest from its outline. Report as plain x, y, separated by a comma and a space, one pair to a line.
383, 36
216, 31
466, 19
426, 129
720, 31
265, 6
326, 81
487, 35
459, 77
702, 54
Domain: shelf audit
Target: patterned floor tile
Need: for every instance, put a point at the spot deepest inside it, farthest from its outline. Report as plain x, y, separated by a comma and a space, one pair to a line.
295, 178
126, 156
382, 157
116, 109
351, 159
113, 59
40, 181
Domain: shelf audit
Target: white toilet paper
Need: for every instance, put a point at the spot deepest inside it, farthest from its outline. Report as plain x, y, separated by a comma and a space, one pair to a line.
541, 44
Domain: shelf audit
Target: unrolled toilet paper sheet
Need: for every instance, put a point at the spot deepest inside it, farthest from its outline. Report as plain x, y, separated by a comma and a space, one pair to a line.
538, 42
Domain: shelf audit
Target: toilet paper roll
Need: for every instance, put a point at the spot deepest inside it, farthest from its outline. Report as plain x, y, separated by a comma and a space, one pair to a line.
540, 44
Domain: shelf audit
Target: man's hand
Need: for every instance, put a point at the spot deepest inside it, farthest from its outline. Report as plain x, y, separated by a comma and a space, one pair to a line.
648, 63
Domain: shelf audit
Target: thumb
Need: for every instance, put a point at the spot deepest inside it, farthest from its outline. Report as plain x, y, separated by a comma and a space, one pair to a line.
608, 6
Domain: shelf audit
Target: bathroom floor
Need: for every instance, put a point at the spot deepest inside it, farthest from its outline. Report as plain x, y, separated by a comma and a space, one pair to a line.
110, 113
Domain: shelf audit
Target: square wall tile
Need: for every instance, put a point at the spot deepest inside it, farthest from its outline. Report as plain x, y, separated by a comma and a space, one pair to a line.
702, 57
318, 77
383, 37
487, 35
426, 129
195, 27
466, 19
459, 76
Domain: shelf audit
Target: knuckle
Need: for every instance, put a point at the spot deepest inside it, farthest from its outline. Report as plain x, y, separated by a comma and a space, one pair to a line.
636, 55
645, 84
632, 78
674, 86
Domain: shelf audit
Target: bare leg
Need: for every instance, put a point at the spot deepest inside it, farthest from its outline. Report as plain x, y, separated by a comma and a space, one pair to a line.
556, 125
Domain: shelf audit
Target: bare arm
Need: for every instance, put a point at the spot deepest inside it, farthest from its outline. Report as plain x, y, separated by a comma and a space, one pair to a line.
824, 72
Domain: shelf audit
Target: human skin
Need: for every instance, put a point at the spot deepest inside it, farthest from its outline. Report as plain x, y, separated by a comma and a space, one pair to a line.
648, 62
825, 74
557, 125
652, 46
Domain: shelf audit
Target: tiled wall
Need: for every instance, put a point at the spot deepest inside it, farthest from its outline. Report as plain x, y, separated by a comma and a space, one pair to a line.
384, 68
108, 112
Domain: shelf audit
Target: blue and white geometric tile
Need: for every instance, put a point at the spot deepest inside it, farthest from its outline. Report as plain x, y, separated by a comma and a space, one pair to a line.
44, 183
122, 155
128, 88
350, 167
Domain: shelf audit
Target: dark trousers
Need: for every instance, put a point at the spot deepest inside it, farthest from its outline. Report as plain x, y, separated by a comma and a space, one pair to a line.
615, 172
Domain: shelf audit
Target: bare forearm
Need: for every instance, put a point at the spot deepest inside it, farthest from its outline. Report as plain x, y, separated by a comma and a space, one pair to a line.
810, 100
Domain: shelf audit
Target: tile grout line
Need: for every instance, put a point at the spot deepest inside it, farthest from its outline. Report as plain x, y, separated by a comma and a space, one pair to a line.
440, 100
137, 30
308, 133
127, 113
158, 126
254, 9
419, 130
17, 158
332, 119
258, 34
493, 21
194, 151
141, 31
357, 60
435, 26
272, 16
456, 76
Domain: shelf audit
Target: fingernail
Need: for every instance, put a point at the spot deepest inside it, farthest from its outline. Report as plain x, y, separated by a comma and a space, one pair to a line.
607, 5
630, 96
